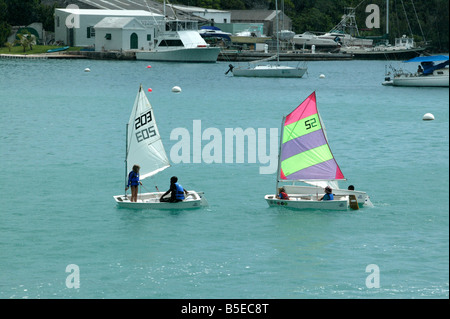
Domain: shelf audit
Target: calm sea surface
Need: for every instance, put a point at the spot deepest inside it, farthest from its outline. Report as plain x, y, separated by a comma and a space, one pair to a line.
62, 159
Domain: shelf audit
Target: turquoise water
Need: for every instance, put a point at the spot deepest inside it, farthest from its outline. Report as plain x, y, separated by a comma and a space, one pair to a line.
62, 160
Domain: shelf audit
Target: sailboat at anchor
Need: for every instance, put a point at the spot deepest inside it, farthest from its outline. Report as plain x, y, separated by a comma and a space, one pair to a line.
145, 148
255, 69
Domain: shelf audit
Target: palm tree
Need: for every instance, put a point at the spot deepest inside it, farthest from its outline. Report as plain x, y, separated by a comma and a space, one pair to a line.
9, 45
26, 39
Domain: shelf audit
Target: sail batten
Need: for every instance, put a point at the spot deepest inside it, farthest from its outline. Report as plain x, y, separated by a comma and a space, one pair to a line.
144, 144
305, 153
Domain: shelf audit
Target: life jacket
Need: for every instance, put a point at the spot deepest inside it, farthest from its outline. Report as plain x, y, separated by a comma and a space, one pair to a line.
179, 194
283, 195
133, 179
328, 197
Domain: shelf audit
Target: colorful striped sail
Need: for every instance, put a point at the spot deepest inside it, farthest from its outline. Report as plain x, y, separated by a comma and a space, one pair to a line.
305, 153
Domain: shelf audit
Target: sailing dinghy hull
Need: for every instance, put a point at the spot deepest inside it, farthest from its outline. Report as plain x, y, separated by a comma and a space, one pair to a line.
298, 190
308, 202
151, 201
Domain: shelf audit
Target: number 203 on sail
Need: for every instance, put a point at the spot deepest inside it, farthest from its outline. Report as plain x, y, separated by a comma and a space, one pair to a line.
146, 133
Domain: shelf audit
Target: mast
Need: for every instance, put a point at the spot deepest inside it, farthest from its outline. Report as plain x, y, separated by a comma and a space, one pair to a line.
278, 40
279, 153
387, 18
126, 155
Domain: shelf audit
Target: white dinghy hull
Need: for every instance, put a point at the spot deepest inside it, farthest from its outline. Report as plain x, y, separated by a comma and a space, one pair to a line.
308, 202
151, 201
298, 190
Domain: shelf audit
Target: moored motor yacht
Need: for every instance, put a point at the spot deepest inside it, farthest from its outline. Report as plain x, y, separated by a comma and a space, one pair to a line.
179, 41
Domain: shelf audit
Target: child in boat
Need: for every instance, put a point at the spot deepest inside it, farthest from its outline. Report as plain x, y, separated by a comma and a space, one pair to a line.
177, 192
133, 182
328, 194
282, 194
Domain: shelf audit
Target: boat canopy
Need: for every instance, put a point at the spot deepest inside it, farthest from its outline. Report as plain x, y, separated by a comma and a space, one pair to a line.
428, 63
433, 58
210, 27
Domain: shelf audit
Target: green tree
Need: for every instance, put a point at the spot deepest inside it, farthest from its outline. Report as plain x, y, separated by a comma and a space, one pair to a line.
26, 39
5, 28
23, 12
45, 16
232, 5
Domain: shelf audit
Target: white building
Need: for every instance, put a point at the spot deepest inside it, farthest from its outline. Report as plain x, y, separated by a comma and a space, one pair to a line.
118, 33
210, 15
75, 27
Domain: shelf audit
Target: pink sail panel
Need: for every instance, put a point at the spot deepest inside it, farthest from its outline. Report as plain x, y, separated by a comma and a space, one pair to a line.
306, 109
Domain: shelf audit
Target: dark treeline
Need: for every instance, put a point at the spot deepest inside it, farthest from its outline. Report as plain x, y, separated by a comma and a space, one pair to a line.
23, 12
427, 20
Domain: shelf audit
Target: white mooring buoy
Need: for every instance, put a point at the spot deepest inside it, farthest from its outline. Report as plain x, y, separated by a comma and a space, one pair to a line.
87, 70
428, 117
176, 89
322, 76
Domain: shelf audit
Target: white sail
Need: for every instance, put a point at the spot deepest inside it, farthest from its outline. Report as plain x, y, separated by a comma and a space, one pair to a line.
144, 145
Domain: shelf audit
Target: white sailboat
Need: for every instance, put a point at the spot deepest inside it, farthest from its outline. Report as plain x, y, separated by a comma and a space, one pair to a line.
254, 69
404, 47
144, 147
305, 156
430, 75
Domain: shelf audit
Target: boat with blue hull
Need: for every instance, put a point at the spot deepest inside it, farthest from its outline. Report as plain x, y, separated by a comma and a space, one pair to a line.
58, 49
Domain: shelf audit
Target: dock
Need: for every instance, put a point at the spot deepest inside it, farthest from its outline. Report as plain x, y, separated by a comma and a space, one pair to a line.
108, 55
226, 55
43, 56
246, 56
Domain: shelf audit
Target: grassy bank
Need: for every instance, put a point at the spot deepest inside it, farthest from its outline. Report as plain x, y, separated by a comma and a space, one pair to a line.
37, 49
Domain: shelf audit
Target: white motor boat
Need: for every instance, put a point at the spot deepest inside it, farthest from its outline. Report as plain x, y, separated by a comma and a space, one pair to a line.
308, 39
179, 41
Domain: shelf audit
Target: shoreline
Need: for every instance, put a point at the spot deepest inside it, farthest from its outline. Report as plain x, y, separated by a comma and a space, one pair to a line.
228, 56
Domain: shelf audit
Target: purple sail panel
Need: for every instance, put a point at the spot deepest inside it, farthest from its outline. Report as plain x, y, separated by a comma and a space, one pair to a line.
302, 144
324, 170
